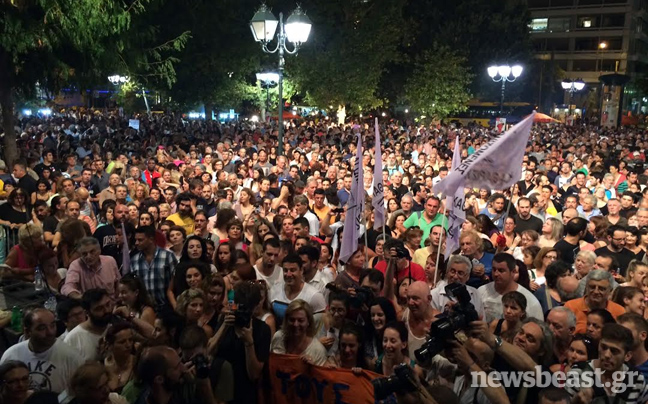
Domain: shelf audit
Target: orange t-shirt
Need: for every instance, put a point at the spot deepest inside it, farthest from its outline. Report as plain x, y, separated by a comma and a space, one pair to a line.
580, 309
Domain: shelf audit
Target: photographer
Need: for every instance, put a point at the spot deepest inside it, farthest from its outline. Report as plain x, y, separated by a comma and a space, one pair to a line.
458, 272
404, 265
244, 342
474, 356
193, 343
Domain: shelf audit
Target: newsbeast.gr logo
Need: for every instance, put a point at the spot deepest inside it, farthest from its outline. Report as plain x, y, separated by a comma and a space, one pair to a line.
543, 379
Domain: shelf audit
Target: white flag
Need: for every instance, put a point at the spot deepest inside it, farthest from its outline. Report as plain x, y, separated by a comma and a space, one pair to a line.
378, 201
355, 209
455, 207
496, 165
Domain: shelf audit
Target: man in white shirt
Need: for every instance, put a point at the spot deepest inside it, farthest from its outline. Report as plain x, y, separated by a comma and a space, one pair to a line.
51, 362
85, 337
318, 279
269, 271
504, 268
301, 207
293, 287
458, 272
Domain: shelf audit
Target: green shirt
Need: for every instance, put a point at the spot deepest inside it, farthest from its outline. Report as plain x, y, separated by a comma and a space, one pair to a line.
418, 219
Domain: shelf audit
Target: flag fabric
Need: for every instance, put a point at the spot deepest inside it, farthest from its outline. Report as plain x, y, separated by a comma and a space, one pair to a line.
355, 209
125, 253
496, 165
378, 201
455, 207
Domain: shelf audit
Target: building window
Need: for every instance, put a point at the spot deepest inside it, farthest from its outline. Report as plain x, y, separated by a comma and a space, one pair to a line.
538, 24
559, 24
585, 22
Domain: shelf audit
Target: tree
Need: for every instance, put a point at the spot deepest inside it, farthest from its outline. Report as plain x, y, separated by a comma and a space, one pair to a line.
439, 83
49, 41
348, 51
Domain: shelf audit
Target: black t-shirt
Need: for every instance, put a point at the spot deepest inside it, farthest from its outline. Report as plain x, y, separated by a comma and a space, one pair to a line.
41, 167
623, 257
8, 213
567, 251
28, 184
107, 236
532, 223
50, 224
232, 349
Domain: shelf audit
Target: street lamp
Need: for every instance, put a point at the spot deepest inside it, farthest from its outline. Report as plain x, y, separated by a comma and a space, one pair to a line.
117, 79
504, 73
572, 87
267, 80
296, 30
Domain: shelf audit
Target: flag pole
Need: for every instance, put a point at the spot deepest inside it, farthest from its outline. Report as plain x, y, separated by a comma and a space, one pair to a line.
443, 221
366, 247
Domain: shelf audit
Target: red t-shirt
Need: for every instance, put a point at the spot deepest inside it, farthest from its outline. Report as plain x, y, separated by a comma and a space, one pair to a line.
418, 273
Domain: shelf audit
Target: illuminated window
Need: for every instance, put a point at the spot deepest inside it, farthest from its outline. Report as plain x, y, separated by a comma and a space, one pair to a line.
538, 24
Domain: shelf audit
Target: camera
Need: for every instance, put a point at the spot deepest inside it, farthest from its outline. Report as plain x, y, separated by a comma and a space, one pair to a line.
445, 329
401, 252
242, 316
363, 295
402, 381
202, 365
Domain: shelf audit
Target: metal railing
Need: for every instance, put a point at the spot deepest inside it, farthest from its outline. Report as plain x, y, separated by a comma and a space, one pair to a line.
8, 239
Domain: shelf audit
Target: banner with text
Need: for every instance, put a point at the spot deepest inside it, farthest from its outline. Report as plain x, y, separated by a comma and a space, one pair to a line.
294, 381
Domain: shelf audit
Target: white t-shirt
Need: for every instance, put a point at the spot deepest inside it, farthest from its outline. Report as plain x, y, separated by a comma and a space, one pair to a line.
308, 294
50, 370
315, 350
276, 277
84, 342
313, 223
440, 298
492, 302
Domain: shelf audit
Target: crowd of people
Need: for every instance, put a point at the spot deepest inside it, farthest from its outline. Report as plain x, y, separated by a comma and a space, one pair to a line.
183, 253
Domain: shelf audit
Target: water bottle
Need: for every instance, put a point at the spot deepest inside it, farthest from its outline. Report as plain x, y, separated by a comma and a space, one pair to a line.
39, 283
51, 303
16, 319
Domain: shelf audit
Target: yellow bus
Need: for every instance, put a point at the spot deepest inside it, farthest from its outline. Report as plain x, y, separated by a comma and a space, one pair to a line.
484, 113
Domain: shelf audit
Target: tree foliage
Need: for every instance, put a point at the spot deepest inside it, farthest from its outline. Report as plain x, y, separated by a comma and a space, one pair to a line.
439, 83
347, 53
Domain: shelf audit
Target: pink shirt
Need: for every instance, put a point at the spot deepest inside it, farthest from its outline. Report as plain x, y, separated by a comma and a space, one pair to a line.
79, 278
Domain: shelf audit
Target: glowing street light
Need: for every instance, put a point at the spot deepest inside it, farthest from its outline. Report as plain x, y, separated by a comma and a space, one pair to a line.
504, 73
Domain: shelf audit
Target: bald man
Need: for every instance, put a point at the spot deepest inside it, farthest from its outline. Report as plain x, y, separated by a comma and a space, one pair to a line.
418, 316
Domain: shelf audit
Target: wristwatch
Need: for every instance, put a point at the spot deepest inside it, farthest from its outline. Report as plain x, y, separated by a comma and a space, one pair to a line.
498, 342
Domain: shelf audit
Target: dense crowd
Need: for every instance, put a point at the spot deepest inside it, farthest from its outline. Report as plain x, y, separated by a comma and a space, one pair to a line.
183, 253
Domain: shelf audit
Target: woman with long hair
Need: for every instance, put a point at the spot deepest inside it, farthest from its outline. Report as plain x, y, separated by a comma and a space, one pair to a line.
509, 231
396, 224
135, 304
598, 226
412, 239
262, 227
395, 351
381, 313
245, 205
223, 217
484, 196
120, 361
287, 228
187, 275
631, 299
543, 259
581, 349
514, 312
552, 232
72, 230
392, 206
23, 257
635, 274
263, 311
139, 193
633, 238
225, 258
596, 319
351, 348
195, 249
90, 384
297, 334
191, 304
43, 192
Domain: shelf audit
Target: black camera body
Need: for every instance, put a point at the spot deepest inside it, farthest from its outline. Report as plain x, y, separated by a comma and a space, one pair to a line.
202, 365
402, 381
444, 330
363, 295
242, 316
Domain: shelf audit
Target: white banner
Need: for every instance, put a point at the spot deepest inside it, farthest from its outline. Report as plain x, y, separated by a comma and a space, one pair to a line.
455, 207
355, 209
496, 165
378, 200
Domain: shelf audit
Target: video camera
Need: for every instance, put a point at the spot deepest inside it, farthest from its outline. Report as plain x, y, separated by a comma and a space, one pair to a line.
402, 381
445, 329
363, 295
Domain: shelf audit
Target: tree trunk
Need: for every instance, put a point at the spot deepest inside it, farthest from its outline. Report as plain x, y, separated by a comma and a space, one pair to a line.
263, 114
341, 114
209, 109
6, 103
